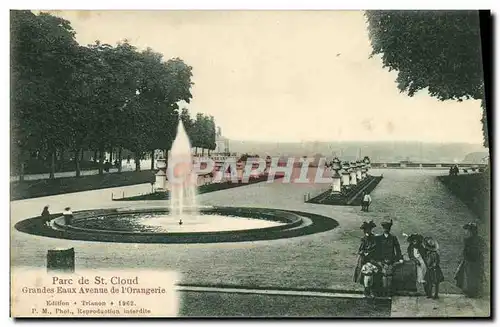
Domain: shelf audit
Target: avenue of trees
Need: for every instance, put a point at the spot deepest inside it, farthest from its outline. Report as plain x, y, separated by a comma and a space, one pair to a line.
435, 50
68, 98
201, 131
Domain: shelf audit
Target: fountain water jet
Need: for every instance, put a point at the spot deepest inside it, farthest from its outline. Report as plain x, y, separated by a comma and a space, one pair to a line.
182, 176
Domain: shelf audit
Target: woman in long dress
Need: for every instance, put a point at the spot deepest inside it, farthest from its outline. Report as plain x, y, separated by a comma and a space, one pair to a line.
416, 253
469, 275
366, 254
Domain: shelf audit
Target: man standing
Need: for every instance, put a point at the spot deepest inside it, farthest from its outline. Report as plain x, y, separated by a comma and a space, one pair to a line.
389, 253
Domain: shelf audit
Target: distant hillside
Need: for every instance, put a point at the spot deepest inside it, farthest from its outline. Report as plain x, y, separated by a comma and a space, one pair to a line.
475, 157
378, 151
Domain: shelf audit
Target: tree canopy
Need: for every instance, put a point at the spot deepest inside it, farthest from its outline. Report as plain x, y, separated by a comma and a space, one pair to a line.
71, 97
435, 50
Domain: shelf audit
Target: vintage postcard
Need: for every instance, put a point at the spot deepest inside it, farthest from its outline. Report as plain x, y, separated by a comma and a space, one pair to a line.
249, 164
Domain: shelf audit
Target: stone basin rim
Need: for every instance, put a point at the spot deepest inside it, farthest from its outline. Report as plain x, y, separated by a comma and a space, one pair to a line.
310, 223
287, 218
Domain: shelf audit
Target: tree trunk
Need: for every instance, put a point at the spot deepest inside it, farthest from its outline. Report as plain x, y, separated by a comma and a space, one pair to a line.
52, 164
60, 163
95, 156
152, 159
137, 161
196, 150
111, 155
202, 151
21, 171
77, 162
81, 155
101, 161
120, 159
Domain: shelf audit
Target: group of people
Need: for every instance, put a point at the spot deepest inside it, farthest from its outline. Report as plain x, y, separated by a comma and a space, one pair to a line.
67, 215
423, 251
378, 255
453, 170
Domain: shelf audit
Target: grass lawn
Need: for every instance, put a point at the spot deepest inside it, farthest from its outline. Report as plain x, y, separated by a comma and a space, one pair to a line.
212, 304
44, 187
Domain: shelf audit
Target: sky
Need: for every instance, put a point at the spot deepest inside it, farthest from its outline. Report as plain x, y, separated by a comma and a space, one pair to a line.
286, 76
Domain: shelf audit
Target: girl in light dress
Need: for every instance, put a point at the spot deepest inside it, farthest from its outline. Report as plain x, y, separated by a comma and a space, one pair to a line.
417, 253
368, 271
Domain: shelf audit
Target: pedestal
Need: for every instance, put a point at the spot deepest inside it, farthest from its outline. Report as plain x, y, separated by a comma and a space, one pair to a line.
62, 260
336, 185
353, 179
358, 175
346, 179
161, 175
160, 180
268, 166
218, 177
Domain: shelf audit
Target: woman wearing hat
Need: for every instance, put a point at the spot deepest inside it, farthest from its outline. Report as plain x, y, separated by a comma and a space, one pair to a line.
470, 271
366, 254
416, 253
434, 275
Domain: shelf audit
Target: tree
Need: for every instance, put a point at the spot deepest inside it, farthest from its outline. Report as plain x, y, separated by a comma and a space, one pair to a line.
197, 133
105, 95
43, 49
188, 123
437, 50
126, 64
97, 97
212, 134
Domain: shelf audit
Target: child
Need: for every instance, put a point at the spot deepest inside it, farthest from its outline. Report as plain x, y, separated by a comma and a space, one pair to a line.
416, 253
368, 271
434, 275
365, 201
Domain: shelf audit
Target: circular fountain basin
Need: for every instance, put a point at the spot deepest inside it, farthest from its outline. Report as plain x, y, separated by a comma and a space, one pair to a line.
157, 225
158, 222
